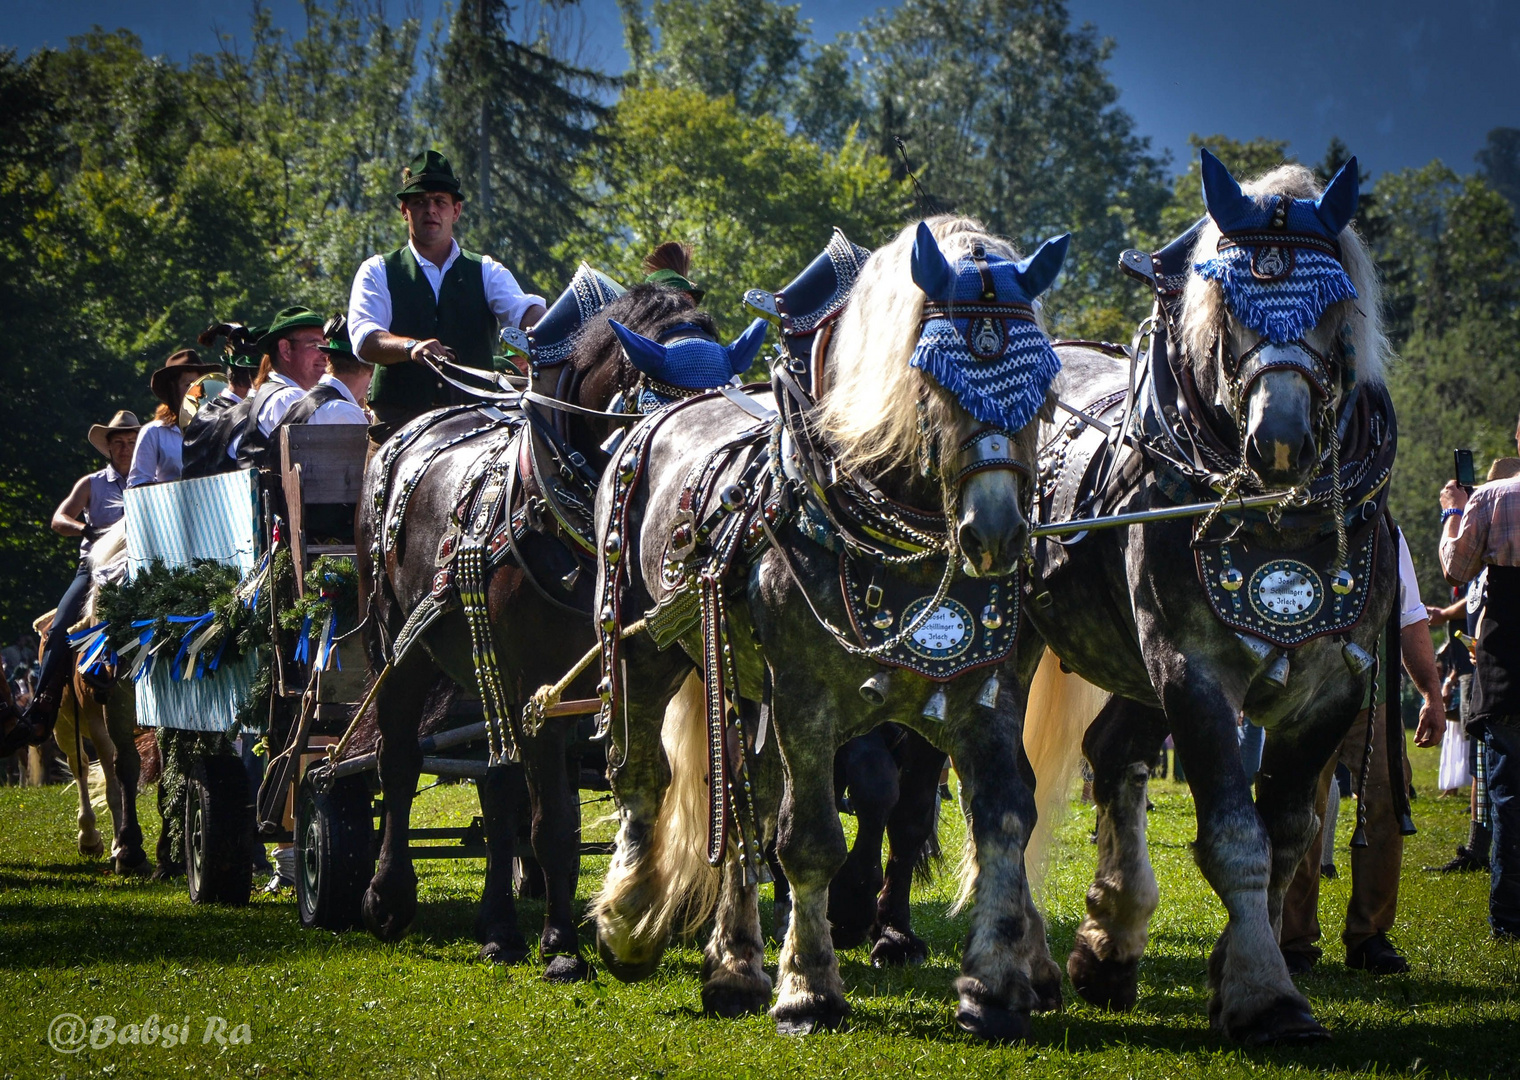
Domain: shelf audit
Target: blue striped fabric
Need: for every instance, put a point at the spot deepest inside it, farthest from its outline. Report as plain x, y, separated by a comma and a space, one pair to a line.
214, 517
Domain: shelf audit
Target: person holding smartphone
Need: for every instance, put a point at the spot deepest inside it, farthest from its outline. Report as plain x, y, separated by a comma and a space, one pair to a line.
1482, 530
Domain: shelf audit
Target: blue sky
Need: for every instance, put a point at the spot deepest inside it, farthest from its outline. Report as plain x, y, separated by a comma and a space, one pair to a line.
1402, 82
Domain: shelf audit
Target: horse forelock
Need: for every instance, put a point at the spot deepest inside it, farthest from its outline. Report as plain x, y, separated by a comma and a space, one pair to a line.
1205, 314
870, 409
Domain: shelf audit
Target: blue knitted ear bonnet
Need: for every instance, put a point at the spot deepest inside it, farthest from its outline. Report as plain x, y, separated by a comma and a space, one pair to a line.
979, 339
689, 362
1279, 264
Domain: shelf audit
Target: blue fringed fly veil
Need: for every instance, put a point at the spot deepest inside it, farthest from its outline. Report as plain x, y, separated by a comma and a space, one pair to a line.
1278, 263
979, 339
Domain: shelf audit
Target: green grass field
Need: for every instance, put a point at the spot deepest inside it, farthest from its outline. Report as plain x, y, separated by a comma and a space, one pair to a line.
74, 939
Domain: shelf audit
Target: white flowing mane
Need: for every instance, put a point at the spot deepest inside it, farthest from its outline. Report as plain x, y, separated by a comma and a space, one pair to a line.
869, 410
107, 559
1203, 307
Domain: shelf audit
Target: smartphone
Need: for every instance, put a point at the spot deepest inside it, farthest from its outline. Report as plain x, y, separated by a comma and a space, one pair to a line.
1465, 475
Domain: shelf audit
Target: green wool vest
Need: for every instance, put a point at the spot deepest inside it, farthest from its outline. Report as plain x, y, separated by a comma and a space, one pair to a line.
459, 317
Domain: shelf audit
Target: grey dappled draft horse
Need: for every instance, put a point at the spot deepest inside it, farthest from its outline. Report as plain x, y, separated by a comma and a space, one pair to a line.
535, 642
872, 419
1127, 613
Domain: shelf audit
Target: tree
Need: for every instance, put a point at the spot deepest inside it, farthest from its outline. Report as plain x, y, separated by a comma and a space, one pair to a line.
749, 50
515, 116
755, 202
1499, 162
1011, 117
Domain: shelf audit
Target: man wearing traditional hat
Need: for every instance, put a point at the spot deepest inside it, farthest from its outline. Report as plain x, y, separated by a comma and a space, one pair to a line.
293, 362
215, 424
429, 300
160, 444
337, 396
94, 505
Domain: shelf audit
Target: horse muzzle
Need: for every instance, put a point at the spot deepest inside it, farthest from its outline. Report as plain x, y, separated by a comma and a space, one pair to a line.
1280, 446
991, 530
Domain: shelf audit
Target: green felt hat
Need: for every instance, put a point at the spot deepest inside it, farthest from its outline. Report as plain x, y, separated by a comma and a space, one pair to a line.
285, 320
672, 280
429, 171
336, 332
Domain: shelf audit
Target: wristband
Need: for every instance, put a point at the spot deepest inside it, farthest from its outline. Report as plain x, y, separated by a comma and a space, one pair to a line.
1450, 513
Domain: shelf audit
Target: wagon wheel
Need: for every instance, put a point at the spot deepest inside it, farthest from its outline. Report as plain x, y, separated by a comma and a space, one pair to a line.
219, 832
335, 852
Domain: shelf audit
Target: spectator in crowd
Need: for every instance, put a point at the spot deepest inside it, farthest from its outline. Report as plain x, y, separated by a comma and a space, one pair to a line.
1373, 907
1468, 608
1481, 534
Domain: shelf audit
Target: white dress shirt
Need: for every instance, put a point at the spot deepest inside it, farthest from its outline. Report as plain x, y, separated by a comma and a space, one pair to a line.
369, 302
160, 447
345, 410
275, 406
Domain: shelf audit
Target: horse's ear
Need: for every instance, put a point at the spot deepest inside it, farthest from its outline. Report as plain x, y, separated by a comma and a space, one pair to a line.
1337, 206
648, 356
1040, 269
932, 272
1222, 196
742, 353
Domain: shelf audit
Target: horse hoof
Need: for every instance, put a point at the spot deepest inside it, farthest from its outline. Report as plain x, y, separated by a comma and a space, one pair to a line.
92, 851
130, 863
505, 950
898, 948
991, 1023
1108, 984
809, 1013
1045, 981
1284, 1023
730, 1000
626, 971
387, 925
167, 871
567, 969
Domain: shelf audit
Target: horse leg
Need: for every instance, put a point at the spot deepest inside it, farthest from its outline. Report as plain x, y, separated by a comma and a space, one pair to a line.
121, 723
812, 849
630, 938
105, 749
1006, 970
1104, 964
557, 846
734, 981
390, 902
1253, 998
870, 775
68, 730
910, 831
501, 797
1287, 790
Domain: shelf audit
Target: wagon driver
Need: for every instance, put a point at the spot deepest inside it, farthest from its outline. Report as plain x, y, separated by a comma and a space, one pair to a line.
94, 505
429, 300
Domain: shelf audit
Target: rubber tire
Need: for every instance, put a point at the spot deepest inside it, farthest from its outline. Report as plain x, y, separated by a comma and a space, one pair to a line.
219, 832
335, 852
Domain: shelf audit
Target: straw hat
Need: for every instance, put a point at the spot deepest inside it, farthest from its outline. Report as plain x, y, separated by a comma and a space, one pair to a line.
100, 434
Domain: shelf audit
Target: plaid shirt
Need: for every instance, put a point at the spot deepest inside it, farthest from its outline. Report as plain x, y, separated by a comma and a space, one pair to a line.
1489, 534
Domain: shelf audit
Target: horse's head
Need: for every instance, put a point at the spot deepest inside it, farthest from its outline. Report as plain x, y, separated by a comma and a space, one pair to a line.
1272, 305
967, 372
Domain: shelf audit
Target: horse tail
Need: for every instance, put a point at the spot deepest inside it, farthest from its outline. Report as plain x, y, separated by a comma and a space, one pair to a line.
1061, 706
672, 882
690, 883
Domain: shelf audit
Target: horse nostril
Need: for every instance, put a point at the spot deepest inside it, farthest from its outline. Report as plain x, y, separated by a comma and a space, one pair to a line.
971, 544
1307, 455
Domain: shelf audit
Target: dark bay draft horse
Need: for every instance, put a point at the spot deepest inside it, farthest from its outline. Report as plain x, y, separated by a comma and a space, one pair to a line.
1265, 375
893, 509
472, 545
